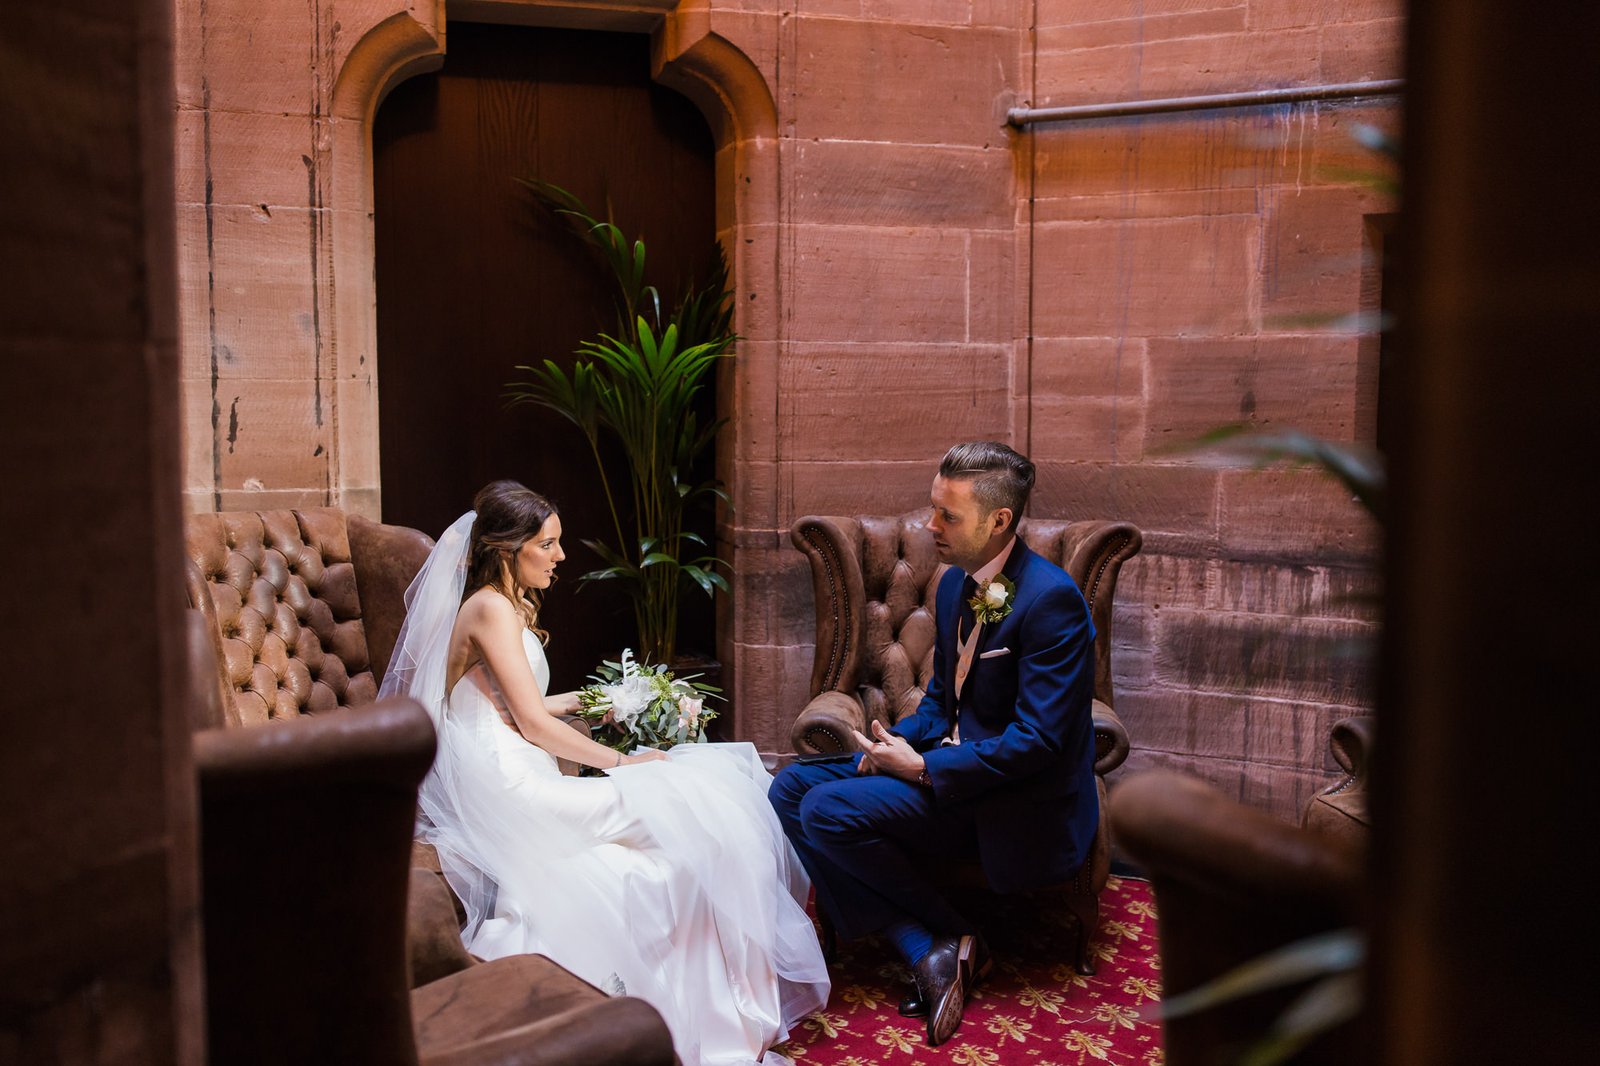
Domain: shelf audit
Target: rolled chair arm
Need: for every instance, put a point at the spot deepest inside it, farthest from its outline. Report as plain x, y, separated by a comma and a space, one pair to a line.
1341, 808
1110, 739
1184, 830
833, 546
1351, 743
823, 726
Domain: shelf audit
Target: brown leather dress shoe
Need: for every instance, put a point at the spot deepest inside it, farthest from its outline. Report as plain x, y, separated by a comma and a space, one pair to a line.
942, 985
914, 1006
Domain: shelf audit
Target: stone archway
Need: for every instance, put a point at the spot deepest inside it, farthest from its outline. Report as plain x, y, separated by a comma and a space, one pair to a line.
395, 49
688, 55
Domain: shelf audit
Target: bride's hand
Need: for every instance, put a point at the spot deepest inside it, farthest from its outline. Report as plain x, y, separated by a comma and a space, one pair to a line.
647, 755
562, 703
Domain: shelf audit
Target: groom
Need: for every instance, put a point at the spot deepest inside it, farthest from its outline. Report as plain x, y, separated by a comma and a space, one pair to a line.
996, 764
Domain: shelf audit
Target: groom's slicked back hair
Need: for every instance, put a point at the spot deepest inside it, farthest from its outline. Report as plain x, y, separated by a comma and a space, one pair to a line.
1000, 476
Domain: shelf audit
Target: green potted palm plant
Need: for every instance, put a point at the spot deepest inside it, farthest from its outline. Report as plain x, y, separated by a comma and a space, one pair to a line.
639, 385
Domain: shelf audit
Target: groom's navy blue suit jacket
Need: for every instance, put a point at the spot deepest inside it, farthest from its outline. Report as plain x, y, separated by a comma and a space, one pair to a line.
1026, 756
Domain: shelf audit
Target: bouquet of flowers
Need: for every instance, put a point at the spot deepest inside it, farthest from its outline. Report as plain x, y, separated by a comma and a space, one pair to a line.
646, 706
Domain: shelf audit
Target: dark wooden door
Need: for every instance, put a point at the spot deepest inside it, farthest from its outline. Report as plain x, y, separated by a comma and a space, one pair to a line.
473, 278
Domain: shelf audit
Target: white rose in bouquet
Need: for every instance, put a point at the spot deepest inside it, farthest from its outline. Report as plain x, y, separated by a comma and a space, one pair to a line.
629, 698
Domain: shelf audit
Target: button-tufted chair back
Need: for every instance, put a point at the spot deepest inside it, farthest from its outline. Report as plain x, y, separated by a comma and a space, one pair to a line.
875, 578
900, 577
293, 622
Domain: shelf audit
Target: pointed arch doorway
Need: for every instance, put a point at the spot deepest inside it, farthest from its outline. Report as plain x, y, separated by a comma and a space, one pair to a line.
472, 278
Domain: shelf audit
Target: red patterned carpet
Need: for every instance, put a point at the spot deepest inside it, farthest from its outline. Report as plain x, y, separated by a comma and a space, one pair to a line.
1033, 1011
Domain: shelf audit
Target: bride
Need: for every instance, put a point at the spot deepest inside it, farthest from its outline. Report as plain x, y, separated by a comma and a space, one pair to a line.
669, 878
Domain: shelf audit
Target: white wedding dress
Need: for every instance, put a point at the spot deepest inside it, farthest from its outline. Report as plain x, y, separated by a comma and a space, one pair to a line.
671, 881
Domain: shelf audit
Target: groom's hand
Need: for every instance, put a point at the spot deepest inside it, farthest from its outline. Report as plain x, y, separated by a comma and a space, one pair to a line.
889, 753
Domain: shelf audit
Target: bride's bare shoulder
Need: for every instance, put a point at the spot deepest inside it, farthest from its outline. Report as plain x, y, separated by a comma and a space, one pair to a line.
487, 607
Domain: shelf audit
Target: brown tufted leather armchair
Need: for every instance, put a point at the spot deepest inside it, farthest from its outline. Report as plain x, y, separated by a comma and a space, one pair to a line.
295, 613
875, 578
1232, 883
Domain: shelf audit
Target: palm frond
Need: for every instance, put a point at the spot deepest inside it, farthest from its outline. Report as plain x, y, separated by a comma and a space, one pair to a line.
639, 384
1359, 469
1338, 951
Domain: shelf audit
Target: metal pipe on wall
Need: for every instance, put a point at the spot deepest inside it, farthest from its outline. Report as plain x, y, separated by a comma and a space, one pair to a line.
1024, 116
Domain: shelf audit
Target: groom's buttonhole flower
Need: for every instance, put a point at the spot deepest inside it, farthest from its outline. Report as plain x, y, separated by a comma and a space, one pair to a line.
640, 705
992, 602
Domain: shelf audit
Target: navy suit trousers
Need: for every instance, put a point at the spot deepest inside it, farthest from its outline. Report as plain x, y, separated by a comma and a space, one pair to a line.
868, 842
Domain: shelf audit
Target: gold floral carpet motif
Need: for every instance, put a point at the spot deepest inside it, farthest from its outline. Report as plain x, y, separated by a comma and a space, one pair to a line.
1034, 1010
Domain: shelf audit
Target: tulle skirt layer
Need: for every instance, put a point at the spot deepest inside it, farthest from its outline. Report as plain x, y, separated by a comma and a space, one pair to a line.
672, 881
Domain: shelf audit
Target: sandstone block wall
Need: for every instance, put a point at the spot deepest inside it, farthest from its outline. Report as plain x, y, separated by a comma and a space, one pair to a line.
910, 272
274, 194
1185, 266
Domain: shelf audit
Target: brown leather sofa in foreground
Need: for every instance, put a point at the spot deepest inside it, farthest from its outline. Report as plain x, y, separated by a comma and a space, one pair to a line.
320, 945
875, 578
1232, 883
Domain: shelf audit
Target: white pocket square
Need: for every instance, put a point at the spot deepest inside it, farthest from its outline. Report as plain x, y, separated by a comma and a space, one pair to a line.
995, 654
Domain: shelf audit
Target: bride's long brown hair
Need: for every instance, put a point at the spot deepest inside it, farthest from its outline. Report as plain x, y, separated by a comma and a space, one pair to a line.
509, 515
